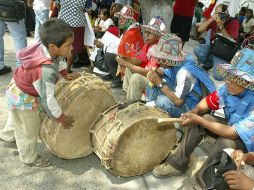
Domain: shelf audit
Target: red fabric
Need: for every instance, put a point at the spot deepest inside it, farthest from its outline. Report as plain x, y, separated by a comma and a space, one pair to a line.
136, 8
114, 30
78, 43
184, 8
31, 58
143, 55
131, 43
152, 63
232, 28
213, 100
208, 11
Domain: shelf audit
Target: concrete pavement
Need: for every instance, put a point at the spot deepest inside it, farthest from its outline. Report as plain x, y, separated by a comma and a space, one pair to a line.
84, 173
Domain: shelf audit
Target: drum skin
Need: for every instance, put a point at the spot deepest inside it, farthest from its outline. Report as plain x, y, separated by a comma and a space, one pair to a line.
130, 141
84, 98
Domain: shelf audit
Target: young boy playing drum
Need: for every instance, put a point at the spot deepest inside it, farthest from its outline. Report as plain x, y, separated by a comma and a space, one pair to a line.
32, 89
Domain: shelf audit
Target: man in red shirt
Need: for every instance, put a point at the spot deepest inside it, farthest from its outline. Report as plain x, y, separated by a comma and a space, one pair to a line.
142, 64
131, 41
182, 19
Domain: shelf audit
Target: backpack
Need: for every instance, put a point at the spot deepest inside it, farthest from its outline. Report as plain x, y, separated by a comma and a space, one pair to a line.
212, 174
12, 10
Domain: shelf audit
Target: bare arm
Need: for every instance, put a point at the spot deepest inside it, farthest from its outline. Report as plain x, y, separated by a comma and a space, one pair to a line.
201, 108
154, 77
203, 26
215, 127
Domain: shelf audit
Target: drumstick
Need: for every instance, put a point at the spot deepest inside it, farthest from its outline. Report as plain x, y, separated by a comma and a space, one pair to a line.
170, 120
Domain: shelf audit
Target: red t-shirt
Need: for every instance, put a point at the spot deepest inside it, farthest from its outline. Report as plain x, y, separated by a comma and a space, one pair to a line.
184, 7
114, 30
232, 28
142, 56
131, 43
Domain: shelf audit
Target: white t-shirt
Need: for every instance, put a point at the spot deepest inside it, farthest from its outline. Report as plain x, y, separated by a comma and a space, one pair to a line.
185, 83
41, 4
247, 26
98, 22
106, 24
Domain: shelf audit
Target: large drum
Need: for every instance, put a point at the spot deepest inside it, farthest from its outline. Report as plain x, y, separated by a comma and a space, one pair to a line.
130, 141
83, 98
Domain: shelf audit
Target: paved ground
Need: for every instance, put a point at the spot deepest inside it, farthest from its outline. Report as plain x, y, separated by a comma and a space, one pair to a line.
85, 173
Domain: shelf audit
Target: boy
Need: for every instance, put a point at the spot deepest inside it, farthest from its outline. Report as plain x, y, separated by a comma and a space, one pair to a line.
141, 65
179, 85
236, 97
33, 88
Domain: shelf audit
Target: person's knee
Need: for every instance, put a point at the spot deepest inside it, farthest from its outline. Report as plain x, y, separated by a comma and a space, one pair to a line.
163, 102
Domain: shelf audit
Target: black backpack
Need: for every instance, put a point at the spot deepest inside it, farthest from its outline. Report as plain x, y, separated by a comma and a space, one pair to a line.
12, 10
212, 174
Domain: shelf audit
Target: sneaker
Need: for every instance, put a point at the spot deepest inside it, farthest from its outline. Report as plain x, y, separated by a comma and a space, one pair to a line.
5, 70
165, 170
40, 162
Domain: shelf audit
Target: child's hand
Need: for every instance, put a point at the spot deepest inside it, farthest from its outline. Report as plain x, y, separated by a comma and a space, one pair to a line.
67, 122
72, 76
121, 61
190, 118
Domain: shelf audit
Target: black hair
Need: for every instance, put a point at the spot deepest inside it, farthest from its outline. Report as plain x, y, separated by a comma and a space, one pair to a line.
105, 12
115, 20
243, 10
201, 5
224, 8
55, 31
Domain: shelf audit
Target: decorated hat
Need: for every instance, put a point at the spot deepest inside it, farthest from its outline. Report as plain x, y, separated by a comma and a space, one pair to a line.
126, 12
241, 68
168, 52
155, 26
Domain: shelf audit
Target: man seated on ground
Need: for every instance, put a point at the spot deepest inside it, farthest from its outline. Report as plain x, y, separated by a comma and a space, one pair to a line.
131, 42
178, 86
140, 65
236, 97
221, 23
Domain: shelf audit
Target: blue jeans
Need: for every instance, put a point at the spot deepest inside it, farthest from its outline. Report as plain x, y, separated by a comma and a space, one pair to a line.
163, 102
40, 17
202, 53
18, 33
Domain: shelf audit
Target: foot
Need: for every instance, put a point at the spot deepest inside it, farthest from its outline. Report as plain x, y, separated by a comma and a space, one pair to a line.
5, 70
165, 170
40, 162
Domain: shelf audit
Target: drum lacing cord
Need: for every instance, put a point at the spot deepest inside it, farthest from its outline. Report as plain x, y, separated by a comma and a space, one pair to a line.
105, 156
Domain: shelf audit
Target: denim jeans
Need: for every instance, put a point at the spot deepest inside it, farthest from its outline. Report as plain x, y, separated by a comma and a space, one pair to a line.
40, 17
18, 33
163, 102
202, 53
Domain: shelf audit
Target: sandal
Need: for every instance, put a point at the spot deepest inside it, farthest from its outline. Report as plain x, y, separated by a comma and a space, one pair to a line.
40, 162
